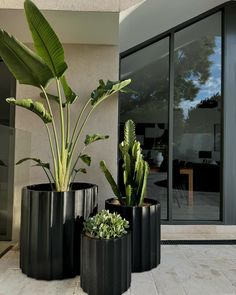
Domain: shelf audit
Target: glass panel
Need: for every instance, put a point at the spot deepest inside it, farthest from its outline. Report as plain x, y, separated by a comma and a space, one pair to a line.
11, 177
148, 107
197, 121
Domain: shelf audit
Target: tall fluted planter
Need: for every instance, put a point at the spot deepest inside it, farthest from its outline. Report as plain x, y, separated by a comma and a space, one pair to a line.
106, 265
51, 224
145, 226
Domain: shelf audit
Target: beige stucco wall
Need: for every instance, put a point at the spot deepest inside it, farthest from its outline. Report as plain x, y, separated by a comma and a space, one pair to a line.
87, 64
75, 5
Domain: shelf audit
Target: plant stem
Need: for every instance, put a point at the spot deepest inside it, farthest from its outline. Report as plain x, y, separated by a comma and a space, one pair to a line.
67, 125
53, 125
53, 158
77, 122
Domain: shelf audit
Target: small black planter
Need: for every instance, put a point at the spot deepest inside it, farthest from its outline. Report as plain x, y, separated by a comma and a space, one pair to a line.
106, 265
51, 224
145, 226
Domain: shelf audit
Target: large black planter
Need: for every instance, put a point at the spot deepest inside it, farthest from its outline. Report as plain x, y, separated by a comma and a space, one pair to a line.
51, 224
145, 226
106, 265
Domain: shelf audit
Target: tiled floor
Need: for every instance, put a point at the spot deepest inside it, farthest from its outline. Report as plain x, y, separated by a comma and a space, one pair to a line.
185, 269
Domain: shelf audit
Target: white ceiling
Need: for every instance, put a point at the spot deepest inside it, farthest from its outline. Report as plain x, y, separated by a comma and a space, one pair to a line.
153, 17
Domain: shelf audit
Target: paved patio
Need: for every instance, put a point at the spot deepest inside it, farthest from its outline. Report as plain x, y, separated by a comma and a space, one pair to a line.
185, 269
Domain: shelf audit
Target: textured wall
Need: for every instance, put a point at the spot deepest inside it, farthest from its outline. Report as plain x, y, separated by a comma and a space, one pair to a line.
78, 5
87, 64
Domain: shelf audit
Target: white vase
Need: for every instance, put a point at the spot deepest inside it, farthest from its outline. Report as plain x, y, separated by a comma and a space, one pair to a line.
159, 159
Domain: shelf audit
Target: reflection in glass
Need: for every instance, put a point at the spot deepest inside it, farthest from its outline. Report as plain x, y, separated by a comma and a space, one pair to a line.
148, 107
197, 121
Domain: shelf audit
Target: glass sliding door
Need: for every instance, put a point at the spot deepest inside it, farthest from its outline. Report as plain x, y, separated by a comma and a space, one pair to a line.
197, 121
148, 107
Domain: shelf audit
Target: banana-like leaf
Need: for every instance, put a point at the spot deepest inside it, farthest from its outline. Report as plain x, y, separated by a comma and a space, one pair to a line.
103, 91
46, 42
82, 170
2, 164
111, 181
38, 161
90, 138
71, 97
86, 159
52, 97
33, 106
25, 65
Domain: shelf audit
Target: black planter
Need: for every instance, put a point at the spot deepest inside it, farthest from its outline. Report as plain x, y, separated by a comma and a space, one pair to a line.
145, 226
106, 265
51, 225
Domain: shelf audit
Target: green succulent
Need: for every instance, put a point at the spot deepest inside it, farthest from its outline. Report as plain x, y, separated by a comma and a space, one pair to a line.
106, 225
135, 170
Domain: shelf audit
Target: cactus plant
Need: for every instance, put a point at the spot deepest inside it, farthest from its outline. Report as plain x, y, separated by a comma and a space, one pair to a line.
135, 170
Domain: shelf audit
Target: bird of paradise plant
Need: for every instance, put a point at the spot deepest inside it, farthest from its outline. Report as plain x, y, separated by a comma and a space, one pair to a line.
39, 68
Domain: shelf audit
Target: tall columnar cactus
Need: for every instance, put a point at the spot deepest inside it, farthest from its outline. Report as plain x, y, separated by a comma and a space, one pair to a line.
135, 170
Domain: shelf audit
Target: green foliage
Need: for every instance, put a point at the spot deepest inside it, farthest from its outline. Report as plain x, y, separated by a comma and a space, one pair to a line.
71, 97
86, 159
106, 225
46, 42
38, 69
111, 180
26, 66
135, 170
106, 89
90, 138
33, 106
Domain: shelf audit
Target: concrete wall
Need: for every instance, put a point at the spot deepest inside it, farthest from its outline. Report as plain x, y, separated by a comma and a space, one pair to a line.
75, 5
87, 64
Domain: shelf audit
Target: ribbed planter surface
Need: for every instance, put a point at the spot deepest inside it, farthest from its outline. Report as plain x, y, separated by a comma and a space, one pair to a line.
145, 226
106, 265
51, 225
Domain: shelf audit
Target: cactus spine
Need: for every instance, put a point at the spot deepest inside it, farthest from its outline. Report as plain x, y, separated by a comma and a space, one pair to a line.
135, 170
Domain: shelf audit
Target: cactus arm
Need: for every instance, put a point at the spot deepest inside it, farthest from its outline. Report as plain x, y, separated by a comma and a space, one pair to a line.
129, 134
128, 195
111, 181
144, 182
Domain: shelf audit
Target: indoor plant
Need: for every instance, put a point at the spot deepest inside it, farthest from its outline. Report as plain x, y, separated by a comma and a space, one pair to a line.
106, 255
142, 213
51, 213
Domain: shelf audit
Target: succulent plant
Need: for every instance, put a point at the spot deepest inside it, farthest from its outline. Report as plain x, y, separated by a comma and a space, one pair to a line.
135, 170
106, 225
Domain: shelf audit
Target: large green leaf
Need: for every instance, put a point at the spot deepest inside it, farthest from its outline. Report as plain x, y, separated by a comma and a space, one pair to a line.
86, 159
46, 42
90, 138
38, 161
33, 106
25, 65
71, 97
103, 91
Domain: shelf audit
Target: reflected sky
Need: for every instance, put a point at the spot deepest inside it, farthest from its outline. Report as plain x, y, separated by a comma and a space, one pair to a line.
212, 85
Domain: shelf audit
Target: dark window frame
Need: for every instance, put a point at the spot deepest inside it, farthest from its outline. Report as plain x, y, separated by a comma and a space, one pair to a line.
171, 33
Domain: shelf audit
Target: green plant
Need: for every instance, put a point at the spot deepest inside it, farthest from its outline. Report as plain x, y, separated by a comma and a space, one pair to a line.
106, 225
40, 68
135, 170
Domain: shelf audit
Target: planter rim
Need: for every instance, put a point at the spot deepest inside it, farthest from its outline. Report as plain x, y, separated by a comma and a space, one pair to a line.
107, 240
152, 202
32, 186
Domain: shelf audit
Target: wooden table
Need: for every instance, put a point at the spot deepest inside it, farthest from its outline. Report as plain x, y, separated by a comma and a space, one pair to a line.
189, 172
